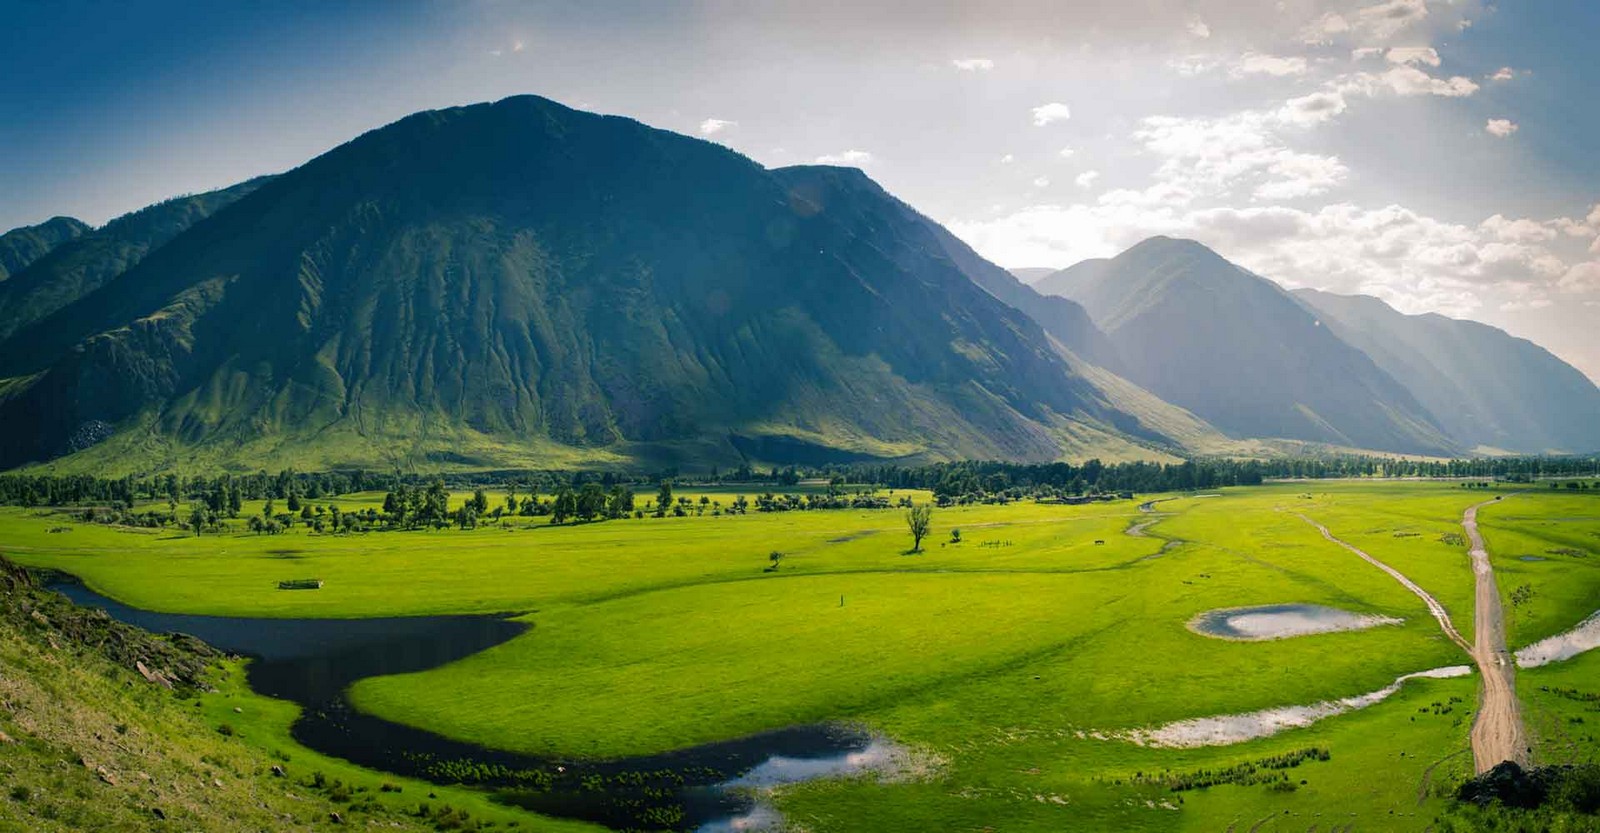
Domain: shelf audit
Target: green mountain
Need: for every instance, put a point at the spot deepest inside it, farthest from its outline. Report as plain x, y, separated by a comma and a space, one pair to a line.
520, 283
1488, 389
848, 189
22, 246
82, 263
1240, 352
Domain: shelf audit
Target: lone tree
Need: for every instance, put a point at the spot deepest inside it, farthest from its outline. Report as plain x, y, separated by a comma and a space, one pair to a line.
919, 519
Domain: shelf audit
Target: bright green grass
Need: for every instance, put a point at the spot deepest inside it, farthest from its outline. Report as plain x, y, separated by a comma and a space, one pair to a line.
990, 656
1563, 529
1561, 703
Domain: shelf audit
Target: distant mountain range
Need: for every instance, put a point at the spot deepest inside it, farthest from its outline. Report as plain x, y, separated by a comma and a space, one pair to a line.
1256, 360
523, 284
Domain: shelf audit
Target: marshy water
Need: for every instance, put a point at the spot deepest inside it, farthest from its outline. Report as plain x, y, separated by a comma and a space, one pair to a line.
1282, 621
312, 662
1562, 646
1222, 730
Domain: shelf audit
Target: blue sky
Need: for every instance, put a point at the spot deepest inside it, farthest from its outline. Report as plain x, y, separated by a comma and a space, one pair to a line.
1437, 154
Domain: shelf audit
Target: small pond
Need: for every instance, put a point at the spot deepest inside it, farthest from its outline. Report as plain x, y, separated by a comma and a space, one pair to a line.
312, 662
1281, 621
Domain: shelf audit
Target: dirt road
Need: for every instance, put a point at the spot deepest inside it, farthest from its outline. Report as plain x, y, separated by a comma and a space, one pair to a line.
1434, 607
1497, 733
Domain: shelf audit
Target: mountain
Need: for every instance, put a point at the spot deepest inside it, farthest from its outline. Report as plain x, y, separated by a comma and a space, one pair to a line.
82, 263
1242, 353
22, 246
520, 283
1029, 274
1488, 389
849, 189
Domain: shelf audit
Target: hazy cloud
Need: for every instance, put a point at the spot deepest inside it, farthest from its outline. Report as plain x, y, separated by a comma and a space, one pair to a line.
1413, 55
1256, 63
1050, 113
973, 64
711, 127
853, 158
1501, 127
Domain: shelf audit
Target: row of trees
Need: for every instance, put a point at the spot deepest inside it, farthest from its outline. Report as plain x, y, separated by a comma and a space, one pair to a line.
224, 494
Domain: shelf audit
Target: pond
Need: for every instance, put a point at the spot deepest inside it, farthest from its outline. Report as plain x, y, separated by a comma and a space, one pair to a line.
1282, 621
313, 662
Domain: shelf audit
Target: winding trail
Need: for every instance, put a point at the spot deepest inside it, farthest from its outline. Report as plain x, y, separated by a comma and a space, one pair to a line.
1434, 607
1497, 733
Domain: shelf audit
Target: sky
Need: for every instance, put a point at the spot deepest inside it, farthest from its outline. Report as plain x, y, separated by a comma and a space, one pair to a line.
1436, 154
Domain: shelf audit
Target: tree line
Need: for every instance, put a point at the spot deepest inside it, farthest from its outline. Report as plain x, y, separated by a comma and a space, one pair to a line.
592, 492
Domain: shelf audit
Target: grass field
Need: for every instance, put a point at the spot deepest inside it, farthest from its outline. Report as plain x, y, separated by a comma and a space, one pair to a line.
1001, 657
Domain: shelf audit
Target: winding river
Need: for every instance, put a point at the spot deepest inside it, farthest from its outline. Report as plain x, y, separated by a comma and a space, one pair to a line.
313, 662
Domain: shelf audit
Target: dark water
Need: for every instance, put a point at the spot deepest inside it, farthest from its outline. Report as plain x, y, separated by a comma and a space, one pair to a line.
313, 662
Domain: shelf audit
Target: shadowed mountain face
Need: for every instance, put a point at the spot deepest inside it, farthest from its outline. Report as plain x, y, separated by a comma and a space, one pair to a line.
523, 275
22, 246
848, 189
1240, 352
81, 264
1487, 388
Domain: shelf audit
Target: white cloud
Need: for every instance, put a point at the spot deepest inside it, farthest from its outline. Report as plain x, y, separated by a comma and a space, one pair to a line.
1198, 28
1416, 262
1216, 157
1404, 80
850, 157
1413, 55
1050, 113
1256, 63
1501, 127
1503, 74
1581, 278
1007, 159
1324, 28
1312, 109
1193, 65
1518, 231
518, 46
1365, 52
1066, 153
711, 127
1295, 175
973, 64
1041, 182
1385, 20
1087, 179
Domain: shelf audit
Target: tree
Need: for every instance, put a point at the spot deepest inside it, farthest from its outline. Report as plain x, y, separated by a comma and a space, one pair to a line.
197, 519
920, 520
467, 515
620, 503
266, 509
479, 502
436, 505
565, 506
591, 501
294, 502
663, 498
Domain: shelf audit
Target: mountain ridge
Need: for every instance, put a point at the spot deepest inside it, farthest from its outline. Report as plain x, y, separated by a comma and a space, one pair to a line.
22, 246
548, 285
1491, 391
1240, 352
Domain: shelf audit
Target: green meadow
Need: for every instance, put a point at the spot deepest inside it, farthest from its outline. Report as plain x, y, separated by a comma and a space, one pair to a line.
1007, 658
